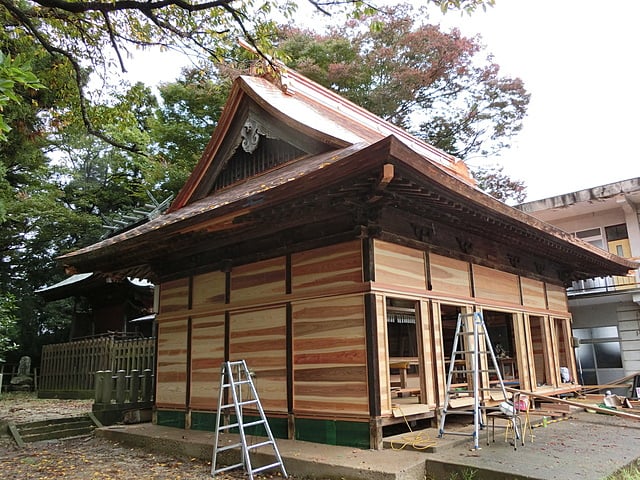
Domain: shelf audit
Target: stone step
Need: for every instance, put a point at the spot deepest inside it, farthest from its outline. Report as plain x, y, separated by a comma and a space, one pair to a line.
51, 429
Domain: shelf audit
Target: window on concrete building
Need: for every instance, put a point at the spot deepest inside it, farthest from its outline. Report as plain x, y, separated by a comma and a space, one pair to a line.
593, 236
598, 352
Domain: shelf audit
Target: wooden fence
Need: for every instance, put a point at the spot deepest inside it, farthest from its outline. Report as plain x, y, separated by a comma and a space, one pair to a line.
67, 370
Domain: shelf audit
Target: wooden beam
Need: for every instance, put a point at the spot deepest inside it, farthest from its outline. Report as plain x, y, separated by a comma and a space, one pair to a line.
617, 413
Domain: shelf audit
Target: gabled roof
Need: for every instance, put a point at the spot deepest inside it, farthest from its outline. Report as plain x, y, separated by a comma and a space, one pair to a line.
82, 283
343, 173
311, 112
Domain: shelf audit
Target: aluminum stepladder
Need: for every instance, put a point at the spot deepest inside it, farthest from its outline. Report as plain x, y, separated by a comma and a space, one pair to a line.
234, 376
473, 349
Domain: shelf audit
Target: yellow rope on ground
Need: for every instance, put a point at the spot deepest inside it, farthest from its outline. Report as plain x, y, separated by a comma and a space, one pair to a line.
415, 441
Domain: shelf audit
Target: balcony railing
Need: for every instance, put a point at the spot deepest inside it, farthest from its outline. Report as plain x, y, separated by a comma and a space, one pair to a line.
604, 284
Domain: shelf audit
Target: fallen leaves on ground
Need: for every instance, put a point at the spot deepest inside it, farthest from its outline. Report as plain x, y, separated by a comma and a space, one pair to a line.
87, 458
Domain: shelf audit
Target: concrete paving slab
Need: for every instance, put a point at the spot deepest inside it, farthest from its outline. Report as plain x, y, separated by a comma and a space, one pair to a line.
585, 446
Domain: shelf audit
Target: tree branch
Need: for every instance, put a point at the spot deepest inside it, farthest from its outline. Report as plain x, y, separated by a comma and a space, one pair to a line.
112, 39
119, 5
53, 50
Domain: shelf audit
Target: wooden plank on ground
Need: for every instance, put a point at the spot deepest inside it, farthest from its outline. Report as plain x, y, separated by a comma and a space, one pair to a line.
617, 413
15, 434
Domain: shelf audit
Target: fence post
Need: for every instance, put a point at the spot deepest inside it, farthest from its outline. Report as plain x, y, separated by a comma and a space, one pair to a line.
135, 386
99, 379
107, 386
146, 385
121, 385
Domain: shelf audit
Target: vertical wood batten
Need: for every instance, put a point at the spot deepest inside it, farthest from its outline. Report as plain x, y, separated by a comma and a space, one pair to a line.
373, 377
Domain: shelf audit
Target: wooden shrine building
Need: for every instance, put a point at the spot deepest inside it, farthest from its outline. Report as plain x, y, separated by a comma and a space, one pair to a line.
333, 252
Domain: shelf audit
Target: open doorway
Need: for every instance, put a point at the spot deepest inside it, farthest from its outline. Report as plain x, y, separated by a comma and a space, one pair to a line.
539, 348
448, 318
500, 329
564, 349
403, 338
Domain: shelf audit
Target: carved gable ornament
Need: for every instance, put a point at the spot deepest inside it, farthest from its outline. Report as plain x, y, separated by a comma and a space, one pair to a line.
250, 135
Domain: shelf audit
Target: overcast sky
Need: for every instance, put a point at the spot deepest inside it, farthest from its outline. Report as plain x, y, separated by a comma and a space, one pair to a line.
579, 61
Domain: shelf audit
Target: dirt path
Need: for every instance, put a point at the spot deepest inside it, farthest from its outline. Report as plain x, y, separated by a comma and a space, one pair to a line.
89, 457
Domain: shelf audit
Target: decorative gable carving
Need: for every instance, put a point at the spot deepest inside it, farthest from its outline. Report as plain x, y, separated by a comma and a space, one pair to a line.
260, 143
260, 154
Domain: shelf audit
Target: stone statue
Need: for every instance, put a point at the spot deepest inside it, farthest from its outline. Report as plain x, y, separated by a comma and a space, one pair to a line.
23, 380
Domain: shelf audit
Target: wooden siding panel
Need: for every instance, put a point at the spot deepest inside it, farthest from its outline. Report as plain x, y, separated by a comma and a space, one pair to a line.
209, 289
533, 293
174, 295
383, 358
259, 338
329, 356
207, 355
399, 265
449, 276
557, 298
327, 267
260, 280
491, 284
172, 363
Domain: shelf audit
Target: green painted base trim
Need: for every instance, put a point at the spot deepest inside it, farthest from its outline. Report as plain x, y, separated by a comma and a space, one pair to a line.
332, 432
206, 421
171, 418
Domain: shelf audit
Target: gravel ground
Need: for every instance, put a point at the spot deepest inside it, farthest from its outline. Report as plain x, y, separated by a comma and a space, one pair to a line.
86, 458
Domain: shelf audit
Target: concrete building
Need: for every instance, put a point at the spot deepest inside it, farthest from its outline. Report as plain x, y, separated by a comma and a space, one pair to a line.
605, 310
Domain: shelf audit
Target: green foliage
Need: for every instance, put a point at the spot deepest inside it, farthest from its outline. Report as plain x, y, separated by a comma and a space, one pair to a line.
493, 181
8, 320
13, 72
415, 75
183, 123
468, 6
7, 324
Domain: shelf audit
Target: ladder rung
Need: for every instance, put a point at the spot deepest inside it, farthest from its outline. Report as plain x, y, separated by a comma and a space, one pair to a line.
227, 468
239, 382
242, 382
464, 434
267, 467
258, 445
229, 447
480, 370
230, 405
471, 351
228, 427
254, 423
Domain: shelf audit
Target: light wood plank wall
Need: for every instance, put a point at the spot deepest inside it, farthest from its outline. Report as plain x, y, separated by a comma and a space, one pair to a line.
259, 337
258, 281
207, 355
330, 357
174, 296
401, 267
557, 298
209, 289
329, 342
171, 372
405, 268
327, 268
495, 286
450, 276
